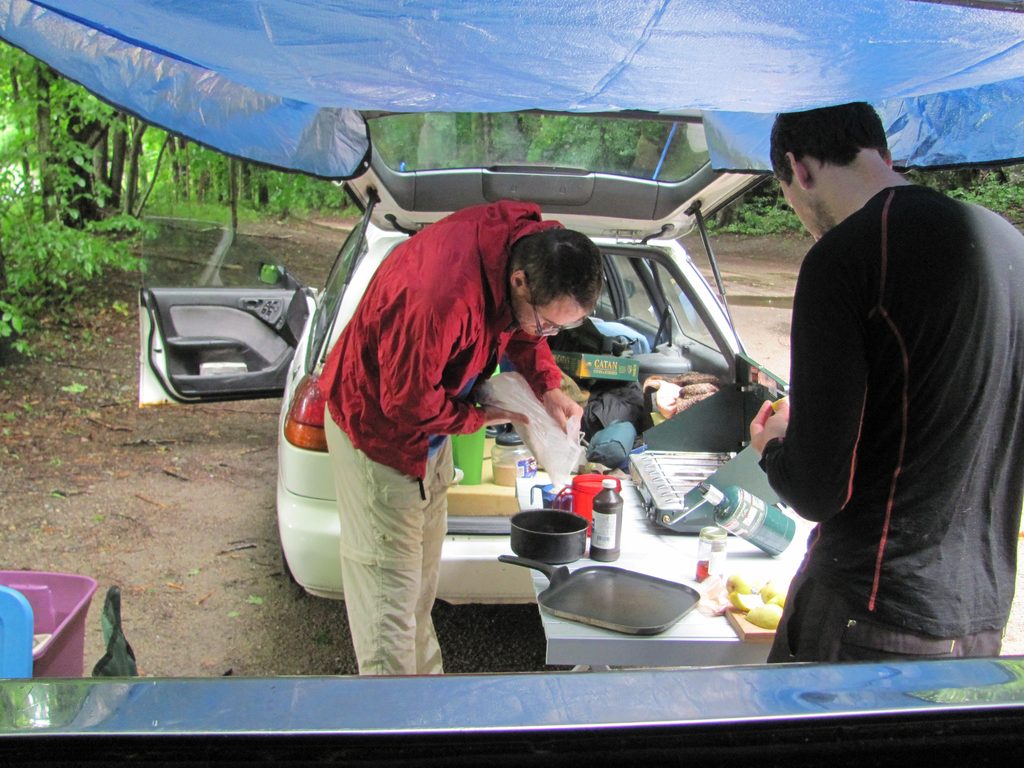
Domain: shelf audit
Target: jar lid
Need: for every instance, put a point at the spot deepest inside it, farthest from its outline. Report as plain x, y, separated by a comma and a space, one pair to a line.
713, 532
508, 438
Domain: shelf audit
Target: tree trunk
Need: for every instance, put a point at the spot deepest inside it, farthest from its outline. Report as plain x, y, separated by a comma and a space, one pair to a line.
262, 191
203, 185
26, 172
233, 192
244, 181
184, 171
3, 267
82, 205
967, 177
5, 341
131, 191
44, 140
100, 166
172, 149
156, 172
118, 150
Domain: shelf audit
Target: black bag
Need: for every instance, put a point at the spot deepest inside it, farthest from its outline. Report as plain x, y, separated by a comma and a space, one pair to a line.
588, 340
119, 660
612, 445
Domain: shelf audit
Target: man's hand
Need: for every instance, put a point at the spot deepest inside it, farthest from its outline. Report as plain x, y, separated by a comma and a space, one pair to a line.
493, 415
770, 422
561, 407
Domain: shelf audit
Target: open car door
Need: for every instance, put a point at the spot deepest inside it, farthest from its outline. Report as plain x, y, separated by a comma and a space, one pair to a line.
216, 321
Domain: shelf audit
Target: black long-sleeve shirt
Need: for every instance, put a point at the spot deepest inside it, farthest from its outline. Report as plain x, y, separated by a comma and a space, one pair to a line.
906, 433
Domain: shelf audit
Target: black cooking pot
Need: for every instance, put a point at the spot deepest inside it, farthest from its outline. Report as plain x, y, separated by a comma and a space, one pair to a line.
549, 535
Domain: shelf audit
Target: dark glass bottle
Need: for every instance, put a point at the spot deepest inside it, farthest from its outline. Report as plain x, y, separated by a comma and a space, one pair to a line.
607, 534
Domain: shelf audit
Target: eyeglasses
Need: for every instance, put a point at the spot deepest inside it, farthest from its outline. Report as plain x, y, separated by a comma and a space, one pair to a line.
546, 327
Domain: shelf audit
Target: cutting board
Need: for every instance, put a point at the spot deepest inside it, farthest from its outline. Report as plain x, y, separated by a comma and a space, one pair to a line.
486, 499
749, 633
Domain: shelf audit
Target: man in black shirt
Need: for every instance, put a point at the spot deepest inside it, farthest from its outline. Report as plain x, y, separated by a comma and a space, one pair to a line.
904, 434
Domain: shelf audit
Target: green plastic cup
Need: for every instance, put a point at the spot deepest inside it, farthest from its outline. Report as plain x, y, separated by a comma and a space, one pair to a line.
468, 455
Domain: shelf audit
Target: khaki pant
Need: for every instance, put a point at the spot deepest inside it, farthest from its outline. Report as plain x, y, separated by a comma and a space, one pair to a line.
391, 541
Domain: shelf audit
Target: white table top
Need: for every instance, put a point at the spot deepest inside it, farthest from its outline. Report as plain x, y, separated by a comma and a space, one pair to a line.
696, 640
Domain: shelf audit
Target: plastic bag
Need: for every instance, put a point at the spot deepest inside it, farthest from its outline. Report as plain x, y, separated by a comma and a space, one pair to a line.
557, 451
119, 660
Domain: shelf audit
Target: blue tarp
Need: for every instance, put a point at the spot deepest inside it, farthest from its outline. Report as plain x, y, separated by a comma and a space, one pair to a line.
285, 82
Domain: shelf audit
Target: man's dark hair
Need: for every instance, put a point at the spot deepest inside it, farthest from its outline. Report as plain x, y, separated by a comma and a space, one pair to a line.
557, 263
832, 135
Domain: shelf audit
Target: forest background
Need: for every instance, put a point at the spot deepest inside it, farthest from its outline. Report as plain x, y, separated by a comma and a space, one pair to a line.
78, 179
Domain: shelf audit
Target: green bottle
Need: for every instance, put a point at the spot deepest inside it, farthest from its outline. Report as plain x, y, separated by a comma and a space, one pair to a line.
742, 513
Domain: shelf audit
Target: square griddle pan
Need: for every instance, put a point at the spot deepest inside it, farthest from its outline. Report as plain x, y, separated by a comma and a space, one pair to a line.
610, 597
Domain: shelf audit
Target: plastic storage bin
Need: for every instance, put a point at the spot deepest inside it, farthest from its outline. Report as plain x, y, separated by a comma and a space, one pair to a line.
60, 602
15, 634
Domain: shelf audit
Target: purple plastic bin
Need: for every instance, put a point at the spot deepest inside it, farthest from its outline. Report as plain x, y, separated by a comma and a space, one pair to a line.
60, 602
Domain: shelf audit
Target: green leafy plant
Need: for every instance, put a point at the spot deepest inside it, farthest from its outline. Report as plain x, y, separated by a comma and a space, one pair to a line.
997, 193
766, 213
48, 265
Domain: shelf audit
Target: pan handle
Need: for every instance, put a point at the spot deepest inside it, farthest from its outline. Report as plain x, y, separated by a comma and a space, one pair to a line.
553, 572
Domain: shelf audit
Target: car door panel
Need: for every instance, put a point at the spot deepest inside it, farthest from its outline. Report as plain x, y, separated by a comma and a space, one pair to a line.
208, 344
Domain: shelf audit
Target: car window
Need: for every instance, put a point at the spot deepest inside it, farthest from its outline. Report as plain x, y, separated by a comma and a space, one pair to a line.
352, 250
188, 253
685, 312
647, 291
646, 149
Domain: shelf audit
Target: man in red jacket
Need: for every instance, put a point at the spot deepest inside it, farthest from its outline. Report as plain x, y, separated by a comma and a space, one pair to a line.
442, 309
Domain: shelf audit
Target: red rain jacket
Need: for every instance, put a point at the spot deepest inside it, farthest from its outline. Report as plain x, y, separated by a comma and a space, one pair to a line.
434, 316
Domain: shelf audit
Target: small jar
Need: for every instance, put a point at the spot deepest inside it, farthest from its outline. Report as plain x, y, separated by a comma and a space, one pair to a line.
711, 552
511, 459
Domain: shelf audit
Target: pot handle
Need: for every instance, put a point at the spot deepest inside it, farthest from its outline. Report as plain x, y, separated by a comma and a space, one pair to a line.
555, 573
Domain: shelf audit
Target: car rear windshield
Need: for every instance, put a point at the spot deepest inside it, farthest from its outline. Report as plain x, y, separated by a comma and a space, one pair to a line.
661, 150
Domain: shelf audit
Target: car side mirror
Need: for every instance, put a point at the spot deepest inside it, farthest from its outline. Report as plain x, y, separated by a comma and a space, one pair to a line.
271, 274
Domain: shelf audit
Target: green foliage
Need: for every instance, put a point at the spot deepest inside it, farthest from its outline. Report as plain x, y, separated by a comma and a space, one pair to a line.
293, 194
765, 212
216, 212
647, 149
994, 191
49, 265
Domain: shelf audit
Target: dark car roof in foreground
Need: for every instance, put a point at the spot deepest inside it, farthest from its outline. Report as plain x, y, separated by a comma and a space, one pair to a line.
790, 712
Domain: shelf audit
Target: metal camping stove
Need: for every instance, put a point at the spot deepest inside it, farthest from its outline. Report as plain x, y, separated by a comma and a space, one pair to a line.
667, 481
709, 441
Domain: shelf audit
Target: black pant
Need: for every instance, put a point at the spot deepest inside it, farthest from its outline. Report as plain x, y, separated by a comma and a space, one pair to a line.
818, 625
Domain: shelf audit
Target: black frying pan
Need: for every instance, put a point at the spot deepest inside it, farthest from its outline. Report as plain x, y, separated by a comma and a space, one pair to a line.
613, 598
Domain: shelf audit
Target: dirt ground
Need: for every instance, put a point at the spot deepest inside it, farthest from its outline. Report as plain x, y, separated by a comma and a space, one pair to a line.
176, 505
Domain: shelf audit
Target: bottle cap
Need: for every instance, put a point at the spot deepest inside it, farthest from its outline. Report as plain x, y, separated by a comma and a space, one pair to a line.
508, 438
713, 532
609, 482
712, 494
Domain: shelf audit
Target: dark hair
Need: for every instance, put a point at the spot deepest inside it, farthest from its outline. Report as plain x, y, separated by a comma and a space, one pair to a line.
832, 135
559, 262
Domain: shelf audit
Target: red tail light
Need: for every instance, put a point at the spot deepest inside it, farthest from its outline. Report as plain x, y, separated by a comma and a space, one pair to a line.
304, 427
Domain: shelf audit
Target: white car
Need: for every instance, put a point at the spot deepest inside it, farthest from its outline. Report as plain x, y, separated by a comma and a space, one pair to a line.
633, 185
